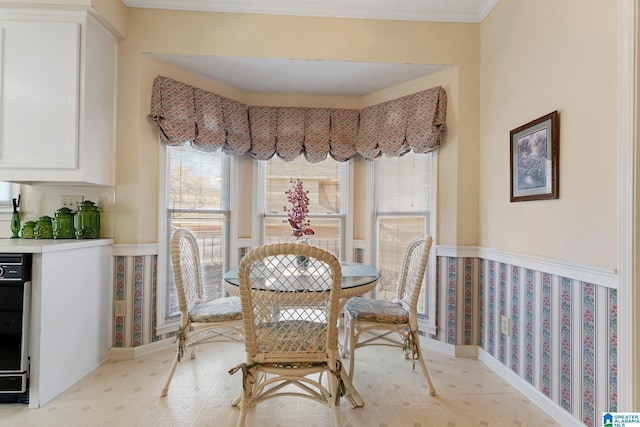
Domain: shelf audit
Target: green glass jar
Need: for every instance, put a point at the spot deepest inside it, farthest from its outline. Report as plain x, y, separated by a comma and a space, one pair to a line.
87, 221
15, 224
63, 224
28, 230
43, 228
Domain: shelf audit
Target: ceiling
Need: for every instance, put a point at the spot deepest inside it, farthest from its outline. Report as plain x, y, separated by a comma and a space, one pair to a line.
300, 76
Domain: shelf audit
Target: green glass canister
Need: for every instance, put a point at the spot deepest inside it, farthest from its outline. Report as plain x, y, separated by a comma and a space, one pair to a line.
28, 230
15, 224
43, 228
63, 224
87, 221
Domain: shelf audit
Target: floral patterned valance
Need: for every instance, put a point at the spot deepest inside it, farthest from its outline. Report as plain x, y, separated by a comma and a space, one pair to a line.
210, 122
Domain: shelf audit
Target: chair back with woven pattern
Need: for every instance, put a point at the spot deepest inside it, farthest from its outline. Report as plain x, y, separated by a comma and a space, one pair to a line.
200, 321
412, 274
290, 303
185, 260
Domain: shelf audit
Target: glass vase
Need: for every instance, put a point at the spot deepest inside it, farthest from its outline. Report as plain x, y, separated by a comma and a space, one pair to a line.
302, 262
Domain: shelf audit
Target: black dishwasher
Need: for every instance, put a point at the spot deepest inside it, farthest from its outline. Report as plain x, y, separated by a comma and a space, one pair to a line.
15, 292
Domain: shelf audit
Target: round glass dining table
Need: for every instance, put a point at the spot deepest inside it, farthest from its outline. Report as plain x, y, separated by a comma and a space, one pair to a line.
357, 280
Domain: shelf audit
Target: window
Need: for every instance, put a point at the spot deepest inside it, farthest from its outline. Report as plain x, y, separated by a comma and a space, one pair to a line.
326, 183
198, 199
8, 191
6, 194
403, 206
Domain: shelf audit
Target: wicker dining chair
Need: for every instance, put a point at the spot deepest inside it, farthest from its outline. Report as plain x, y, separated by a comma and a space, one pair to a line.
392, 323
290, 305
200, 319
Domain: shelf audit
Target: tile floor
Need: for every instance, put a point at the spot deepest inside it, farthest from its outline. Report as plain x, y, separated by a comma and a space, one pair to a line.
126, 393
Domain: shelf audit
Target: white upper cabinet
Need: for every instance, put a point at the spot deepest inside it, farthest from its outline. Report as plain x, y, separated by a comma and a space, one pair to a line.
57, 98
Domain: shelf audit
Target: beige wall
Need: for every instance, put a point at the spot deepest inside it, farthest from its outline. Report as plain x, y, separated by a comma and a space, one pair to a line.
539, 56
153, 31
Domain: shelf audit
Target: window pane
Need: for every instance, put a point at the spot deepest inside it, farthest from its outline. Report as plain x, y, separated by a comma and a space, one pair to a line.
394, 235
197, 202
321, 180
6, 193
196, 179
402, 203
209, 233
403, 183
327, 233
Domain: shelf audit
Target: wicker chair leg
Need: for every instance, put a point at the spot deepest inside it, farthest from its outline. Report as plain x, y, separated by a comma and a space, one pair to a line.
432, 389
244, 402
345, 340
165, 389
333, 401
353, 341
242, 418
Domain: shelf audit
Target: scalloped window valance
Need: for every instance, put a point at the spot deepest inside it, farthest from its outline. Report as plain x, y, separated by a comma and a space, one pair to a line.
210, 122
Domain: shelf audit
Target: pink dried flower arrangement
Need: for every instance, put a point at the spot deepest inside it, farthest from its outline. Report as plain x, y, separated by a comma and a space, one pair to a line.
299, 200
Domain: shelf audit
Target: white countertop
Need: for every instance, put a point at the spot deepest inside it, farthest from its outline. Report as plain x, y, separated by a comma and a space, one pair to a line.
36, 246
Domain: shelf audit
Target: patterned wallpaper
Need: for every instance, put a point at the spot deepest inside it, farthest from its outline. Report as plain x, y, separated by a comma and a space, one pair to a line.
136, 284
562, 338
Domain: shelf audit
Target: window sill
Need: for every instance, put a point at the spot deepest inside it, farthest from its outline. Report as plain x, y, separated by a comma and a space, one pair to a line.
169, 326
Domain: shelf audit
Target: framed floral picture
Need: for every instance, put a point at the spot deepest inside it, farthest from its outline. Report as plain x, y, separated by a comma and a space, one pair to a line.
534, 159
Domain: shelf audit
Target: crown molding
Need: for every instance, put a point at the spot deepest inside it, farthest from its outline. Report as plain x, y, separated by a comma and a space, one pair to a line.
471, 11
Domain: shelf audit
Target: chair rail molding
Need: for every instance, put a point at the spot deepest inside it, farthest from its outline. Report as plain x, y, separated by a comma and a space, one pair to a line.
585, 273
135, 249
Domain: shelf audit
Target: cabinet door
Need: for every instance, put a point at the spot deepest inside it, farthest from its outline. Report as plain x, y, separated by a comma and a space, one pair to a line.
39, 93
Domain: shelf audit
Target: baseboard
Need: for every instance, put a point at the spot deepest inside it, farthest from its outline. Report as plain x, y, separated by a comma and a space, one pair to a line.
561, 416
429, 344
127, 353
468, 351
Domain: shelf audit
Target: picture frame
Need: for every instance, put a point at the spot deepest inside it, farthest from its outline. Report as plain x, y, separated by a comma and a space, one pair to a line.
534, 159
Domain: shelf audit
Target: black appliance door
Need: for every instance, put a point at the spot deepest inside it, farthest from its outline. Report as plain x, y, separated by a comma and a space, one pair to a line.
11, 314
